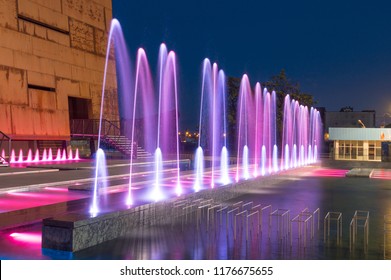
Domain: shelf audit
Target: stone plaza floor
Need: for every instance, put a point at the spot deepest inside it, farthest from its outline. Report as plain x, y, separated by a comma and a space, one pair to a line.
196, 237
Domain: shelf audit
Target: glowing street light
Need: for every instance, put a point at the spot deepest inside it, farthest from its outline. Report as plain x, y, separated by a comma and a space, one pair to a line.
361, 123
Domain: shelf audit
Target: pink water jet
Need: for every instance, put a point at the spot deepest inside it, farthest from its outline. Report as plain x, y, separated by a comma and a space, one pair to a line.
29, 156
64, 155
256, 114
20, 159
36, 156
13, 159
77, 154
70, 155
58, 157
50, 155
301, 134
46, 156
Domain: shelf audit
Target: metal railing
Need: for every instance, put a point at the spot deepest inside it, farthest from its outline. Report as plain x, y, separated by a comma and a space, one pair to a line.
359, 220
5, 138
335, 217
387, 237
90, 128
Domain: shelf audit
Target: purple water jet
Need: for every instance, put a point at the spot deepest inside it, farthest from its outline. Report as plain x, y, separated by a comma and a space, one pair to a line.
258, 128
167, 136
157, 192
256, 131
269, 126
145, 113
116, 37
212, 125
100, 181
199, 168
244, 104
301, 134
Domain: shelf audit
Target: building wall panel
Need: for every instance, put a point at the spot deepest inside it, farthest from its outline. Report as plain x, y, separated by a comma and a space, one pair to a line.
66, 88
13, 86
6, 57
36, 12
51, 4
15, 40
86, 11
82, 36
5, 120
39, 79
41, 99
8, 14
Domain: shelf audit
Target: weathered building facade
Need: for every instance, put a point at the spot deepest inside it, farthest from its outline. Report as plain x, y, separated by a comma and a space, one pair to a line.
52, 56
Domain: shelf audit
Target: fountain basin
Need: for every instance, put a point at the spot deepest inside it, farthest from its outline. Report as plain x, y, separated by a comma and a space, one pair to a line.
77, 231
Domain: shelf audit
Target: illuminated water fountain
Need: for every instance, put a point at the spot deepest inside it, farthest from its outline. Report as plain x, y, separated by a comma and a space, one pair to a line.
143, 109
257, 151
157, 133
123, 73
168, 127
257, 146
100, 183
243, 113
212, 136
301, 134
47, 156
155, 130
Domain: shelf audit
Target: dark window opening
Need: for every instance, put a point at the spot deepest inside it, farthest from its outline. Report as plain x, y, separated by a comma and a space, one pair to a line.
79, 108
41, 88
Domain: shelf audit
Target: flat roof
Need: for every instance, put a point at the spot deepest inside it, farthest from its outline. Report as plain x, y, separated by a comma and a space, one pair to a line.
360, 134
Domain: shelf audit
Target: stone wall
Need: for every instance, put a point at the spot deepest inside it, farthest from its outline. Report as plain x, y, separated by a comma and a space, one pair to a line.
50, 50
77, 231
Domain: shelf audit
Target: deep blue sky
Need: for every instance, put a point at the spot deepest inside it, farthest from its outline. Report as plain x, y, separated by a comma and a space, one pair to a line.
339, 51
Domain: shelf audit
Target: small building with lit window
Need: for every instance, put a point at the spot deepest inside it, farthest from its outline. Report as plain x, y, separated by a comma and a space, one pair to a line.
361, 144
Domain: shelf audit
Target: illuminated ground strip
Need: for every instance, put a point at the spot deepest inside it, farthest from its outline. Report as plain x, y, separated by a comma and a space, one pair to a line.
381, 174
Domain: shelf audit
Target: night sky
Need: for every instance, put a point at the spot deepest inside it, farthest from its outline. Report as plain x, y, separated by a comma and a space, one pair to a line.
339, 51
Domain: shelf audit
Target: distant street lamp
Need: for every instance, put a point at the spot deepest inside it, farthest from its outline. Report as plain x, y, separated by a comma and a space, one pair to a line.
361, 123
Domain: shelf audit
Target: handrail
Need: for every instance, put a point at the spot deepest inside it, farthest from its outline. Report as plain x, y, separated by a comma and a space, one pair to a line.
90, 127
9, 139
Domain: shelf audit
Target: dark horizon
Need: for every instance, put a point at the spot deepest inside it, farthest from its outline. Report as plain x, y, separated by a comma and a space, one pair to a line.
338, 52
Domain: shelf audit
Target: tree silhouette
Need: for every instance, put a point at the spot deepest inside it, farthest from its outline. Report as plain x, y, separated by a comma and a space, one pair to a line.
281, 84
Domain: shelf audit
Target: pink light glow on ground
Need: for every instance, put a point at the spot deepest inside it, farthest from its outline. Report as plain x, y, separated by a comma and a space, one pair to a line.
26, 237
57, 189
21, 200
325, 172
381, 174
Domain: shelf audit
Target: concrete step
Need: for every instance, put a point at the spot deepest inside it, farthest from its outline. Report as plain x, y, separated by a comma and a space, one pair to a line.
124, 145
